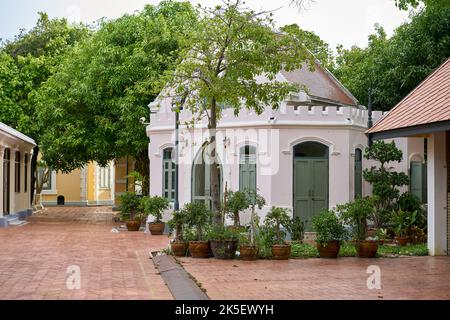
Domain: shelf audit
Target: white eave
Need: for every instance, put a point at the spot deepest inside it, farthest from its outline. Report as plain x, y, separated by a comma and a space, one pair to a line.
16, 134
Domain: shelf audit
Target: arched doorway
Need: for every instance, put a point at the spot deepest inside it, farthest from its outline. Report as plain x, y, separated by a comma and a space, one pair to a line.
201, 178
311, 180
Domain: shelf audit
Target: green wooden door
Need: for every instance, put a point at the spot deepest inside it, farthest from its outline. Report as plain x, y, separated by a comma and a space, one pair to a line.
310, 188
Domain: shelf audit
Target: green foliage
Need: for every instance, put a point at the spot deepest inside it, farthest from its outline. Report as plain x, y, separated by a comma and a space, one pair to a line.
177, 224
385, 182
328, 227
404, 221
296, 228
198, 217
92, 105
26, 63
154, 206
221, 233
410, 203
305, 250
277, 218
392, 67
355, 214
319, 48
130, 204
237, 201
219, 65
256, 201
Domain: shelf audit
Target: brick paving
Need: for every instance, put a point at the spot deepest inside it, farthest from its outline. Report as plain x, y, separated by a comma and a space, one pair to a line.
344, 278
34, 259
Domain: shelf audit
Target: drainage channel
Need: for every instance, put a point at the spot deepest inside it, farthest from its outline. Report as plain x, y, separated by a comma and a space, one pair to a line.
177, 279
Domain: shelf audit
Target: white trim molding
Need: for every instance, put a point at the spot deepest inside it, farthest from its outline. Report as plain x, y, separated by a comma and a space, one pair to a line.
293, 143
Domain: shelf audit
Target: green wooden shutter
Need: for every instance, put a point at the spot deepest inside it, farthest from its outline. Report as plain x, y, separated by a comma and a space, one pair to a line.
247, 169
417, 179
358, 173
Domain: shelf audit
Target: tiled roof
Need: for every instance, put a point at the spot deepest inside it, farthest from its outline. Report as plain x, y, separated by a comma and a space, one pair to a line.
321, 84
428, 103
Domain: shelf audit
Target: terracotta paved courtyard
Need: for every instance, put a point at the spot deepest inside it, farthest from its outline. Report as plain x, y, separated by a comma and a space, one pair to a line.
344, 278
34, 259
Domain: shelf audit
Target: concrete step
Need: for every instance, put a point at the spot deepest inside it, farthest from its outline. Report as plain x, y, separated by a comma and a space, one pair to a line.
16, 222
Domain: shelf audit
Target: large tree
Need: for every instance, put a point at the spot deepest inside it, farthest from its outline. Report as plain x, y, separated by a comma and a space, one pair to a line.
92, 105
230, 47
26, 62
391, 67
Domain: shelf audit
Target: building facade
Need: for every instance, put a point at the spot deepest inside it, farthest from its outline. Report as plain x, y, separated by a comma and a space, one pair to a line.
425, 114
16, 150
305, 156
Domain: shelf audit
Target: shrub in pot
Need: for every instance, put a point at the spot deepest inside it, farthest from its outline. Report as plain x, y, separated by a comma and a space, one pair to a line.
223, 242
198, 217
155, 207
403, 221
248, 244
277, 218
355, 214
296, 228
236, 201
178, 245
130, 205
329, 233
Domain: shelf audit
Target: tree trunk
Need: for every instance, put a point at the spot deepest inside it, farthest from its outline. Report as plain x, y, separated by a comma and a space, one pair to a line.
33, 169
215, 193
142, 166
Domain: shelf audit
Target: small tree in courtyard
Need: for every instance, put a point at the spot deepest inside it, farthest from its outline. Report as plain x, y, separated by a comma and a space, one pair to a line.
384, 180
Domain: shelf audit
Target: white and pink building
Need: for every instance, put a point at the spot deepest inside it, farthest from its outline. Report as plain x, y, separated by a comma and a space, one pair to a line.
305, 156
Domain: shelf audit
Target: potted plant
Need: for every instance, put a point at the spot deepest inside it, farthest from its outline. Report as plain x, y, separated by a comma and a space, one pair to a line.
403, 221
223, 242
329, 233
381, 234
296, 228
248, 248
277, 218
355, 215
130, 205
236, 201
178, 245
155, 206
198, 217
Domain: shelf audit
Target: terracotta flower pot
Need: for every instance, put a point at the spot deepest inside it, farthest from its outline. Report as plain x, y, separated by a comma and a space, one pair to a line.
179, 248
156, 228
224, 249
281, 251
329, 250
402, 241
248, 252
133, 225
199, 249
366, 249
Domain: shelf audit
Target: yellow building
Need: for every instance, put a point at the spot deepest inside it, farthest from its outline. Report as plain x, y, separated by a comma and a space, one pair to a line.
90, 185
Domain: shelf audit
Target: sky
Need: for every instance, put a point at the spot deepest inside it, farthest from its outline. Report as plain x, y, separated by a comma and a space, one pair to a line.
346, 22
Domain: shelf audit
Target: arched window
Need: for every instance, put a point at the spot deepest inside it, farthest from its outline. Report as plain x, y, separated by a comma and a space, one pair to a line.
168, 175
247, 168
358, 173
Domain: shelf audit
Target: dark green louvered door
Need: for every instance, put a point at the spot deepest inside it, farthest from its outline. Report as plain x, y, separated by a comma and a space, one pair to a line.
418, 180
310, 188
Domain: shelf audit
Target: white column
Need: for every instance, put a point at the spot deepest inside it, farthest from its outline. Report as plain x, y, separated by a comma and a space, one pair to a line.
1, 180
112, 180
437, 194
